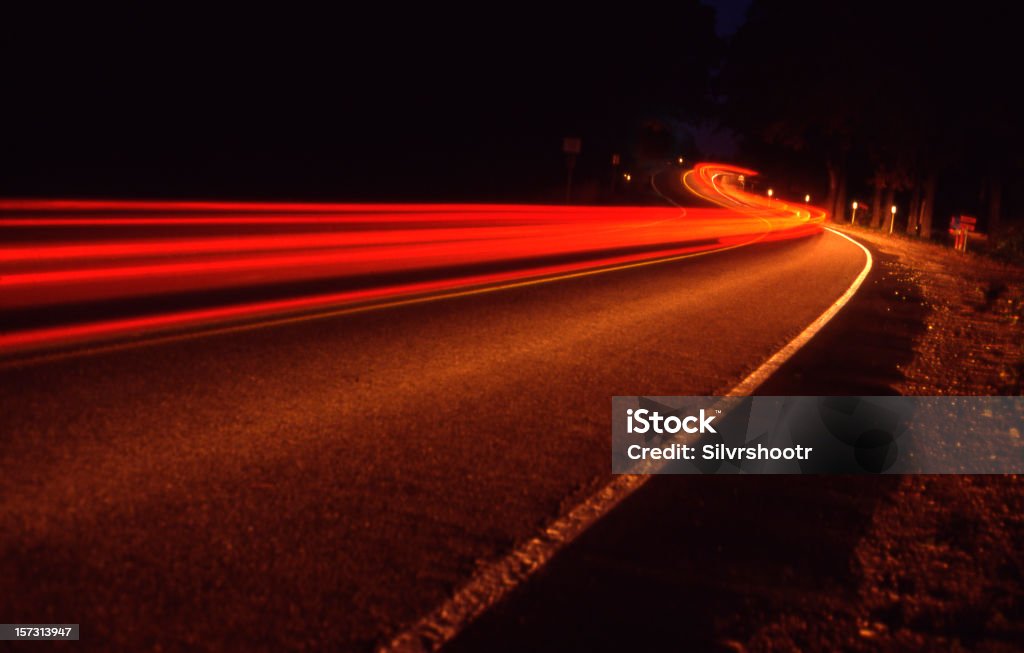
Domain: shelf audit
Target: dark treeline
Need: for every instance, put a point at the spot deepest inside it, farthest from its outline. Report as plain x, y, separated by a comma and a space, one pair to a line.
917, 105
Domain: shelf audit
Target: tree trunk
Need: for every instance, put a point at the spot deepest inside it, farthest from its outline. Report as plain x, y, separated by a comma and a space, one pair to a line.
876, 208
839, 208
890, 199
927, 206
995, 203
915, 208
833, 175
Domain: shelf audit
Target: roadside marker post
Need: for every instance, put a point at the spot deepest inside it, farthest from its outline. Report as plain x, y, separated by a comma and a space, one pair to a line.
959, 227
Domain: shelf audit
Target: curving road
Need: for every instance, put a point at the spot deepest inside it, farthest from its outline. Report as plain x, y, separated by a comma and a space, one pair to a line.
321, 482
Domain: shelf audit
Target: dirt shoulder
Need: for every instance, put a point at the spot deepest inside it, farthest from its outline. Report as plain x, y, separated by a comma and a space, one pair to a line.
940, 564
974, 339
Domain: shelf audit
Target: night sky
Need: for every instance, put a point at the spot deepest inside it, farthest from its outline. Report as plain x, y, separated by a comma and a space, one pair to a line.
340, 106
419, 104
729, 15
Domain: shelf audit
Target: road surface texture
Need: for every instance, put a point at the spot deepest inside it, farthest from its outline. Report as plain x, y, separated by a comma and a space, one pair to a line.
703, 563
779, 563
320, 484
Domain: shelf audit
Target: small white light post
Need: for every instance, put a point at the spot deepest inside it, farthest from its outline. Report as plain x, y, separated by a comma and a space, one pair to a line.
892, 220
853, 220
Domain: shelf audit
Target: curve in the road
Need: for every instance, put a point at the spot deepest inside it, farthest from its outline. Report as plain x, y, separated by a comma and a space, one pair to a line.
355, 468
494, 582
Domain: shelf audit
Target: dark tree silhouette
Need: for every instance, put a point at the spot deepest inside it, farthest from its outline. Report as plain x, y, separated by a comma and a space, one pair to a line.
906, 99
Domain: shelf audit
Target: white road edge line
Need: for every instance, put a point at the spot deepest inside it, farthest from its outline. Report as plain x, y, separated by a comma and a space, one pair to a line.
761, 374
493, 582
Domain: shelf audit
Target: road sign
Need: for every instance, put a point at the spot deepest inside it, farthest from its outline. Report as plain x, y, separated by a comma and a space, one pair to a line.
962, 222
960, 226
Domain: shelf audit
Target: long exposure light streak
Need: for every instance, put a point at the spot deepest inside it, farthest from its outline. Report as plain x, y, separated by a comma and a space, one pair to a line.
74, 271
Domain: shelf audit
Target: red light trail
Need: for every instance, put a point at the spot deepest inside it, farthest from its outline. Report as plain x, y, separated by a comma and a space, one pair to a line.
77, 253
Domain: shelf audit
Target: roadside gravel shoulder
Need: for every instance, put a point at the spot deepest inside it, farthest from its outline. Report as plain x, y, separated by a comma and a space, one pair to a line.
974, 338
940, 565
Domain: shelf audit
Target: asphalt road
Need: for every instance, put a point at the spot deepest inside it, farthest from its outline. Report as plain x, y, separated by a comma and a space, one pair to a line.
318, 484
708, 563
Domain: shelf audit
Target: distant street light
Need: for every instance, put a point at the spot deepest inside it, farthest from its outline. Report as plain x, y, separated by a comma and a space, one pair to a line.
627, 177
680, 160
853, 220
892, 220
770, 193
807, 199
